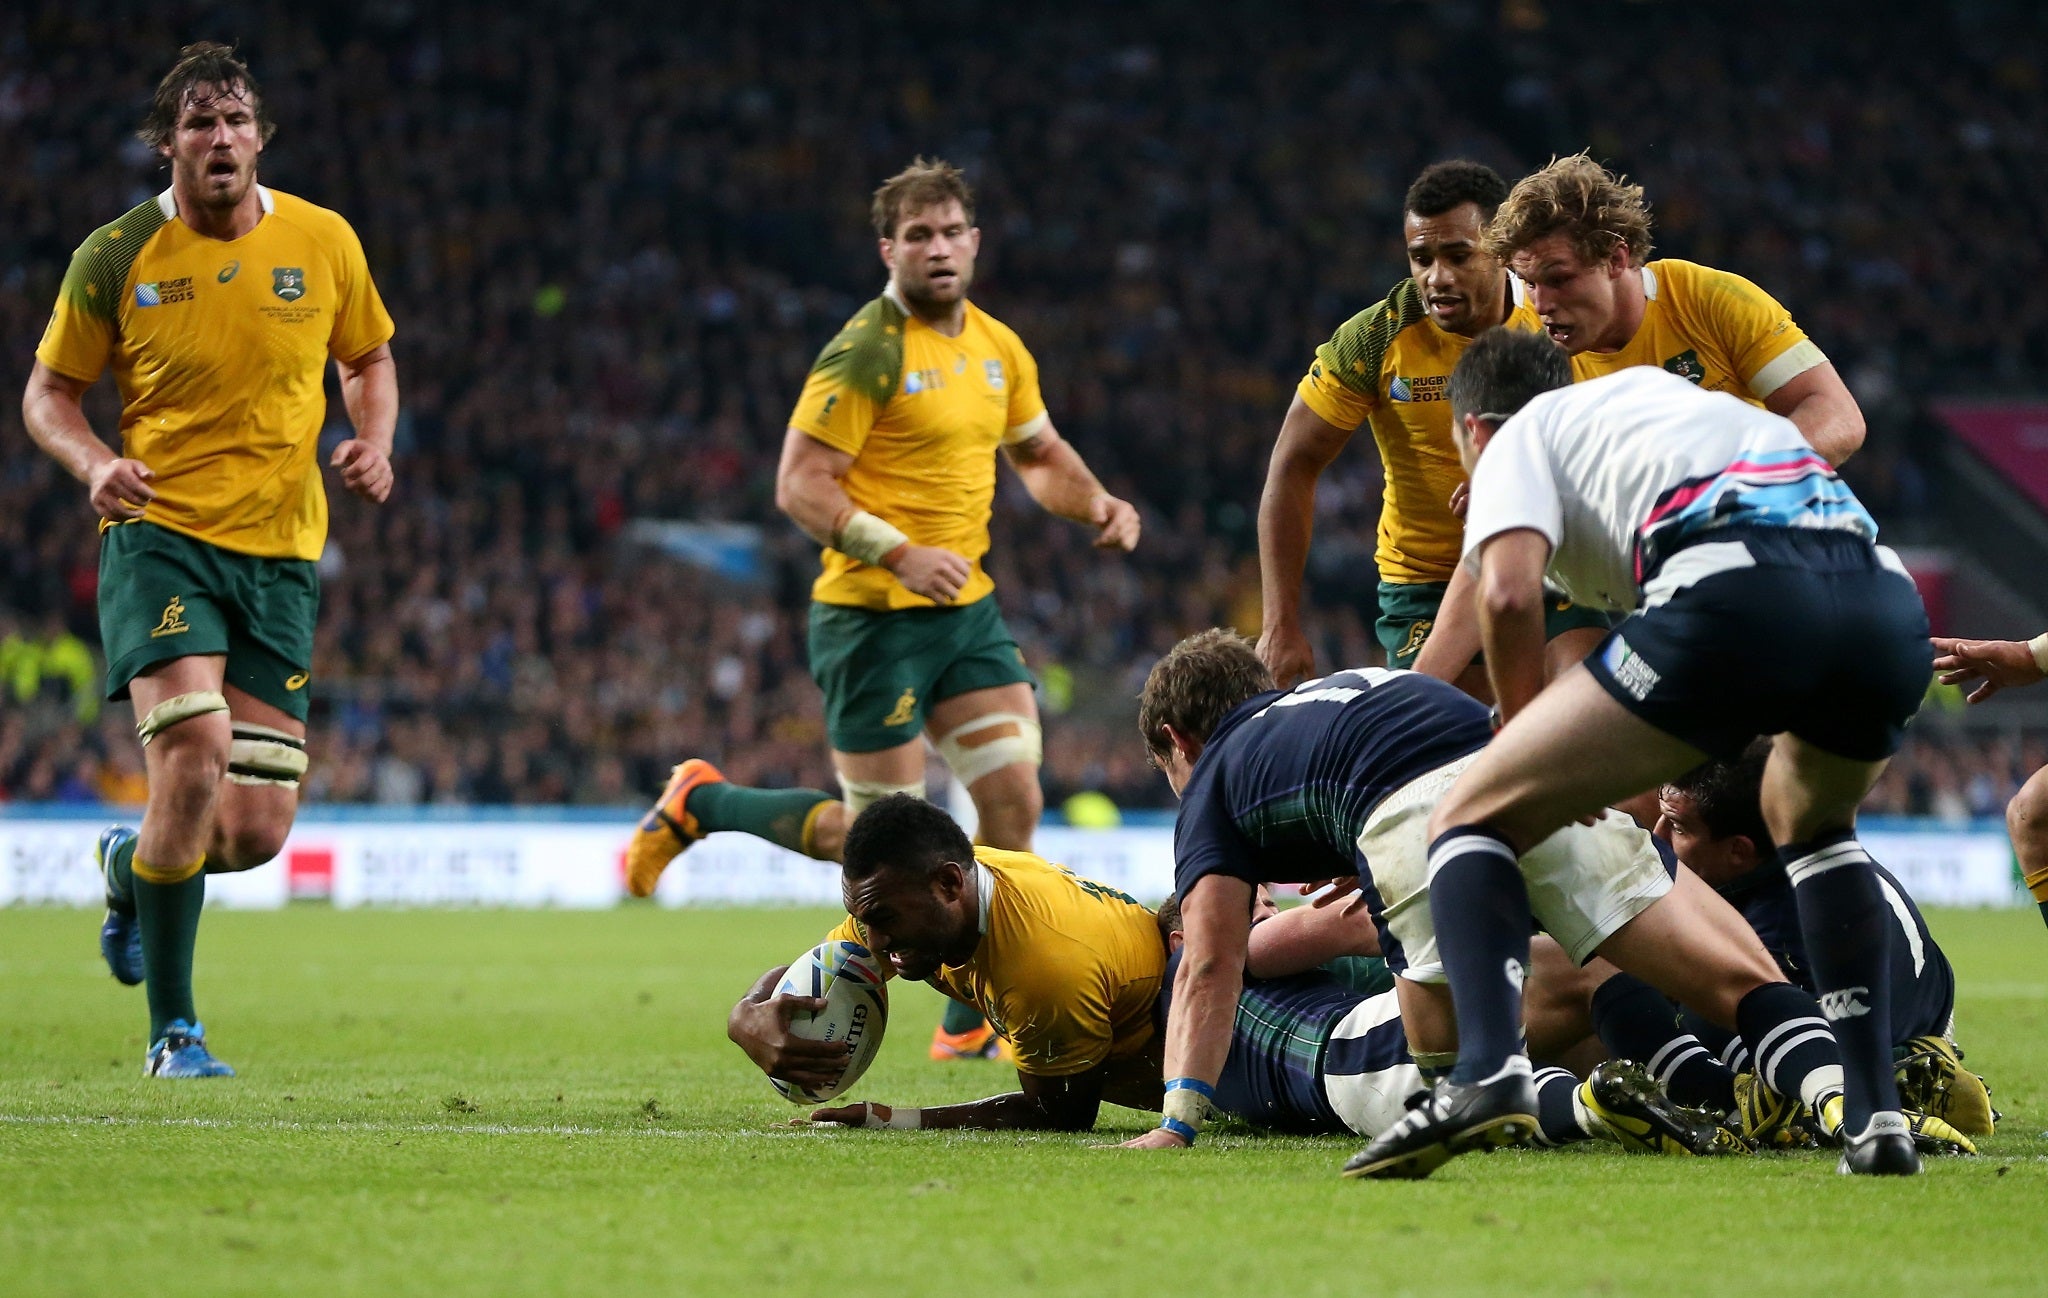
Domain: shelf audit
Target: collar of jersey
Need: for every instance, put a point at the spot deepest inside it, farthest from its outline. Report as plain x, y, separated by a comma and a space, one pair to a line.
169, 205
984, 893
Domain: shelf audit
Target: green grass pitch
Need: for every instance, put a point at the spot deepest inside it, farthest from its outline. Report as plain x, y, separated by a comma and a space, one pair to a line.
517, 1102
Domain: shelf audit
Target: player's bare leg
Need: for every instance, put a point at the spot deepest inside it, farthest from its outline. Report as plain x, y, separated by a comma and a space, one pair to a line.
253, 814
990, 740
2026, 820
1809, 799
183, 716
991, 733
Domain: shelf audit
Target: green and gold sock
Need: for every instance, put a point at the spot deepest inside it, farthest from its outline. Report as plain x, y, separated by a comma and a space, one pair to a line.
169, 917
779, 815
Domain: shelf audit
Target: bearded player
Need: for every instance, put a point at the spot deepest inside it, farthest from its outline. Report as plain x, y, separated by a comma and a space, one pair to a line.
889, 463
218, 304
1578, 237
1387, 368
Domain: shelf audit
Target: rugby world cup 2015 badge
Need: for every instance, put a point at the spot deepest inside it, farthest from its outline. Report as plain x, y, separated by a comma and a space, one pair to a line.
288, 282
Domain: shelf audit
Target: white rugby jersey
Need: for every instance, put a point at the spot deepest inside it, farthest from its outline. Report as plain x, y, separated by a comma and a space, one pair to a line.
1619, 472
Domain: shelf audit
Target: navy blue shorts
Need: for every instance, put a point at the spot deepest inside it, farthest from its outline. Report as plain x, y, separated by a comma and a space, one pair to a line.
1757, 631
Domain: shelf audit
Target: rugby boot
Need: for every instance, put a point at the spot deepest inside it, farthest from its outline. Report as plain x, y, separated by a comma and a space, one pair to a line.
1884, 1149
1640, 1117
1933, 1080
667, 829
120, 933
1447, 1121
1766, 1119
1931, 1135
181, 1052
975, 1043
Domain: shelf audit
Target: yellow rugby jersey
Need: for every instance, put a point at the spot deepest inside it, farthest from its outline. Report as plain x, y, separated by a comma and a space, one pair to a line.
1067, 969
922, 415
1390, 365
1715, 328
220, 349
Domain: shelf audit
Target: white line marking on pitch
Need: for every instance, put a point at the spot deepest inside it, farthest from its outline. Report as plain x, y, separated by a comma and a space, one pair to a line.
375, 1128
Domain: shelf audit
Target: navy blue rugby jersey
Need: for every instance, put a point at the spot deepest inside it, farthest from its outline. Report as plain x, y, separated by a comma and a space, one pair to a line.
1286, 782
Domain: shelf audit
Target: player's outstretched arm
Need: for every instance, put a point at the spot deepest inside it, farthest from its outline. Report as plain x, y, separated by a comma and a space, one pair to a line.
369, 392
1057, 478
1454, 641
1510, 601
1992, 665
1296, 941
1307, 445
1825, 410
1045, 1104
53, 410
810, 489
759, 1025
1216, 919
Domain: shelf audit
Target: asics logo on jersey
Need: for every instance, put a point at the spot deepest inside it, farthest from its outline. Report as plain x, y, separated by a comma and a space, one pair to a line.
227, 272
173, 622
1515, 974
1843, 1004
297, 680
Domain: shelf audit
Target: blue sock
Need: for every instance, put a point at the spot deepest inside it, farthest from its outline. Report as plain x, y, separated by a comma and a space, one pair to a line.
1848, 929
1794, 1052
1635, 1021
1480, 908
1557, 1110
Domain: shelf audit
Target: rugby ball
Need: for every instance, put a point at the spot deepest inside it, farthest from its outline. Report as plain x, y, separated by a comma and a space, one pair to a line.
846, 976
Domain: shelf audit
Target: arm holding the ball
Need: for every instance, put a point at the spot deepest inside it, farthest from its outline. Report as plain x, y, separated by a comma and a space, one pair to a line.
1045, 1104
759, 1025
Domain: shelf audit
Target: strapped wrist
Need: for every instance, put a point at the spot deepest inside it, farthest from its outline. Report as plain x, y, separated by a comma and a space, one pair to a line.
2038, 646
1188, 1103
865, 537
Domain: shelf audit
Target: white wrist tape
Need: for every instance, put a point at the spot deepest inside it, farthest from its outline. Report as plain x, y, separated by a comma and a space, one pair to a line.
2039, 646
867, 538
1188, 1106
893, 1118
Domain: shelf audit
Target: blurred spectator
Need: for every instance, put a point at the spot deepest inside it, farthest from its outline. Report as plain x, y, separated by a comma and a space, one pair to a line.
613, 238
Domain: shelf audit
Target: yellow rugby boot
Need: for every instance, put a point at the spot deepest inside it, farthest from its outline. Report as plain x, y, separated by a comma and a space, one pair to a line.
667, 828
1932, 1079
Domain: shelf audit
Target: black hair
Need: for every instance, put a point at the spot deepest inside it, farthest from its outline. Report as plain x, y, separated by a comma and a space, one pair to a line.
1505, 369
903, 832
1728, 796
1445, 185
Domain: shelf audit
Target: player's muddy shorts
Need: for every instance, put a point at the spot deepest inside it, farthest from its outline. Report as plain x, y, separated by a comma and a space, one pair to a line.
164, 595
1763, 630
1407, 612
1585, 881
881, 671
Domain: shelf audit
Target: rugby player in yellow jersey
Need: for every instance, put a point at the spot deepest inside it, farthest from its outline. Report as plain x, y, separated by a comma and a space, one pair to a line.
1578, 236
889, 463
1388, 366
1066, 969
218, 304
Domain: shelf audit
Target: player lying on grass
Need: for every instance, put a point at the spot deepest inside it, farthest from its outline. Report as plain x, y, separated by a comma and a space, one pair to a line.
1313, 1052
1713, 818
1338, 778
1066, 969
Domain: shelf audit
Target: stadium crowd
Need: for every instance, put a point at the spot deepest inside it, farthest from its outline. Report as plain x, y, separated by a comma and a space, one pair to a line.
612, 246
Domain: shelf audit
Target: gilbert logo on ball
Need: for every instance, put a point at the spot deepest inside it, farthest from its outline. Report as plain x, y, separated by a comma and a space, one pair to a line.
846, 977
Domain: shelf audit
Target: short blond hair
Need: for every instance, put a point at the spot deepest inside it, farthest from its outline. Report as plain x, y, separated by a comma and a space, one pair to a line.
1594, 209
918, 186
